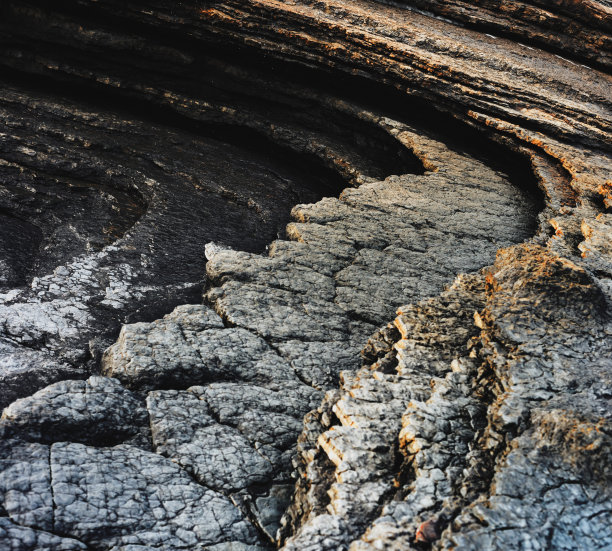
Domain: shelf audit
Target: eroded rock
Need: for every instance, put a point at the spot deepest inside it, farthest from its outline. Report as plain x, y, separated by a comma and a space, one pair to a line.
499, 436
481, 420
98, 411
111, 497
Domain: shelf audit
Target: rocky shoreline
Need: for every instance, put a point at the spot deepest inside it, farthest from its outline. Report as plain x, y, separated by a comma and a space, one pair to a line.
459, 180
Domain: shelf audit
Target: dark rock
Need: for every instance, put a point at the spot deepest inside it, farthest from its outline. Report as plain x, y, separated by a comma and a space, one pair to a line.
151, 151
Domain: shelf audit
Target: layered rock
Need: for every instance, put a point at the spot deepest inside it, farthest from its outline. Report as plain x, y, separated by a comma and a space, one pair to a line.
123, 224
480, 420
417, 389
578, 28
236, 434
473, 435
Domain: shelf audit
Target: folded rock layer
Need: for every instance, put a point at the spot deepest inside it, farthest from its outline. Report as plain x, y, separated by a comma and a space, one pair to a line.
478, 419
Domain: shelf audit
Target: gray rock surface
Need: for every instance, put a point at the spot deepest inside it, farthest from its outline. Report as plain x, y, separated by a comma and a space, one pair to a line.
479, 419
98, 411
552, 474
23, 370
20, 538
102, 225
416, 394
286, 325
114, 497
468, 435
292, 320
219, 456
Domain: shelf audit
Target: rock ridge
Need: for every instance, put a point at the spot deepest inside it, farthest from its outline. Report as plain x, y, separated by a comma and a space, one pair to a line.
478, 419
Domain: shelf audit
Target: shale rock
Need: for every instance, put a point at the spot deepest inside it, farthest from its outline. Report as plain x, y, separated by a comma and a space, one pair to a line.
294, 318
425, 400
471, 440
116, 241
558, 412
481, 416
580, 29
23, 370
113, 497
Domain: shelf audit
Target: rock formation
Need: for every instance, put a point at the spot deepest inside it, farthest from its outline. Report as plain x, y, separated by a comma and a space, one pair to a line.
448, 167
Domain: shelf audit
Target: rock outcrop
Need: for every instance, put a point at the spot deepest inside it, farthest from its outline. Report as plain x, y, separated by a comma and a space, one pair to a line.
283, 408
122, 226
460, 424
580, 29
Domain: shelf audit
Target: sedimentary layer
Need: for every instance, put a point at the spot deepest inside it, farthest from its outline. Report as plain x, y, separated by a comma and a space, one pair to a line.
107, 216
580, 29
284, 409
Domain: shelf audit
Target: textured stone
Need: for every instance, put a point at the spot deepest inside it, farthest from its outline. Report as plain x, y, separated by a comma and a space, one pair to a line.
116, 496
20, 538
98, 411
580, 29
115, 225
23, 368
481, 419
217, 455
274, 358
424, 402
508, 444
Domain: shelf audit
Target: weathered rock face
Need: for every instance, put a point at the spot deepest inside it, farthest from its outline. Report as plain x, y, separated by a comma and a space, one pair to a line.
121, 226
577, 28
481, 437
116, 211
115, 497
478, 419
